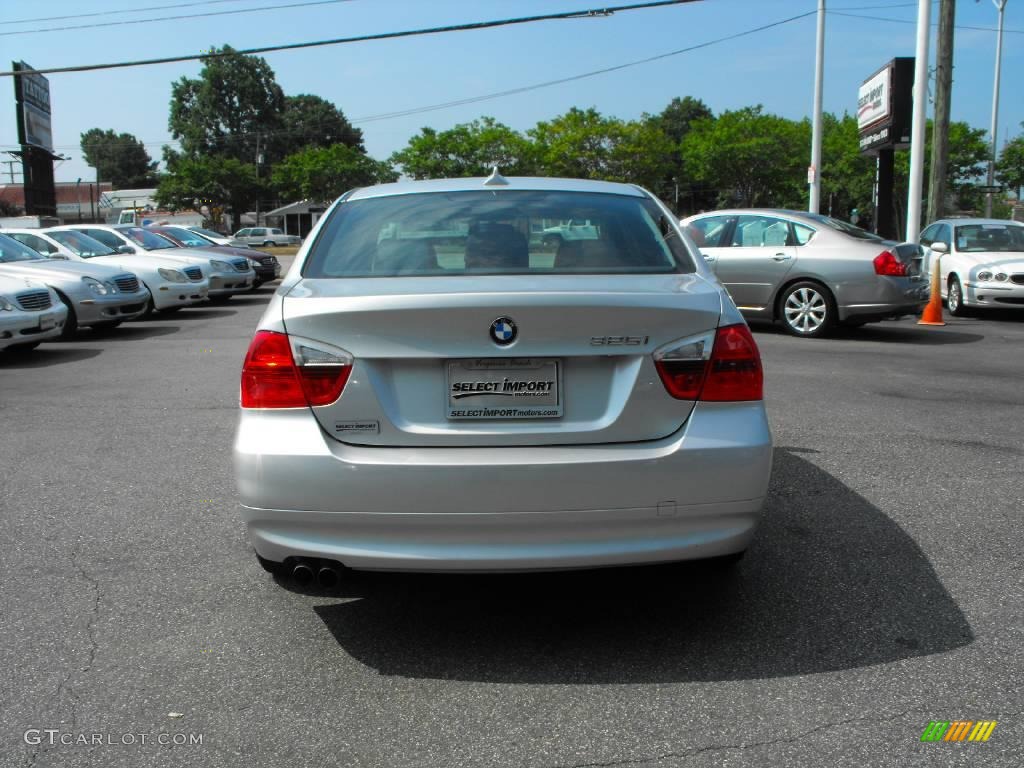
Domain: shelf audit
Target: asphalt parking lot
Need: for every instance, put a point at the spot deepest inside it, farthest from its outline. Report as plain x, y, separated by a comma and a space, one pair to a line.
883, 589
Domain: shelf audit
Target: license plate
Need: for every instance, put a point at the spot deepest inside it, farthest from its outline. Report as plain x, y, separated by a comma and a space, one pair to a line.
508, 388
46, 322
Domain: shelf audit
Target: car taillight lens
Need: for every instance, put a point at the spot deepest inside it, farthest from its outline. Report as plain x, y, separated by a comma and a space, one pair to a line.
887, 264
283, 372
722, 368
735, 370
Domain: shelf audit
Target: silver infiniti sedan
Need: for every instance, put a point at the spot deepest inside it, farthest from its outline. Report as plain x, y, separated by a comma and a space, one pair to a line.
809, 272
431, 389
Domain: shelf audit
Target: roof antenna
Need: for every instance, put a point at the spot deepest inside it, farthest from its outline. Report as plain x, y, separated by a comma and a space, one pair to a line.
496, 179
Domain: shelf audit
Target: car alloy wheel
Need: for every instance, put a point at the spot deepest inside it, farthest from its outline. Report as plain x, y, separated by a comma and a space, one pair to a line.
806, 310
955, 298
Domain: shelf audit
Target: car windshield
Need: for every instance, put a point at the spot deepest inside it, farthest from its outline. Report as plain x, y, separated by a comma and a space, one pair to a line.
1004, 238
497, 233
187, 237
11, 250
845, 227
207, 233
80, 244
151, 241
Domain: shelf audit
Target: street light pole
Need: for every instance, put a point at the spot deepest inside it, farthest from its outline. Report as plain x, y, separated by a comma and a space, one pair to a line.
814, 172
924, 9
1000, 6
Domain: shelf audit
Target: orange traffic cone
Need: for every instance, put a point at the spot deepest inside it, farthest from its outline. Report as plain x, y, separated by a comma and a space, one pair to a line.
932, 314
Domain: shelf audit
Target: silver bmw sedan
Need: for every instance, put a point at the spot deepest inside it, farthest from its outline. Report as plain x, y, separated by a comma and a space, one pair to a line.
436, 386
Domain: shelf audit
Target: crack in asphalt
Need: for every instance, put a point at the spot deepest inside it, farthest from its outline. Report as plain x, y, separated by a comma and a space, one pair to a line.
717, 747
65, 684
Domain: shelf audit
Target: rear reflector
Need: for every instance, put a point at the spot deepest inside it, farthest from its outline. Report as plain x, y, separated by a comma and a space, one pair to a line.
272, 379
887, 264
732, 371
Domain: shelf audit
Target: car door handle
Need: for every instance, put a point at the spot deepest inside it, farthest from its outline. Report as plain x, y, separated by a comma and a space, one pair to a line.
708, 257
781, 257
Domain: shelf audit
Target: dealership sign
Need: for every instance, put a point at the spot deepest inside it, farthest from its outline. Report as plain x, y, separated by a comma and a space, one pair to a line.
32, 96
873, 99
884, 107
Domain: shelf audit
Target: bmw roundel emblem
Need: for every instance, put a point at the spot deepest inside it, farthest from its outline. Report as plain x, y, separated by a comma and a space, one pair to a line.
504, 331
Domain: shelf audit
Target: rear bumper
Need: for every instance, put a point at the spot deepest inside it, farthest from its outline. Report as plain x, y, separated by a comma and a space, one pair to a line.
695, 494
889, 297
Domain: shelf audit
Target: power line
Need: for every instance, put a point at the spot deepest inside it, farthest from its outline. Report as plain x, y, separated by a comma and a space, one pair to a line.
912, 21
589, 13
118, 12
509, 92
175, 18
572, 78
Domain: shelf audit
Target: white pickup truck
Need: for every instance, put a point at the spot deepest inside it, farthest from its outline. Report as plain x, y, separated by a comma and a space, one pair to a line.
574, 229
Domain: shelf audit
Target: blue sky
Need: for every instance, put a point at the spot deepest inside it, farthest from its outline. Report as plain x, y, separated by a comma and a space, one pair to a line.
774, 68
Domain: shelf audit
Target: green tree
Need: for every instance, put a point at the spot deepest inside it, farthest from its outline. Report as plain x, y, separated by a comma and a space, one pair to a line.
217, 182
468, 149
675, 119
232, 106
1011, 164
847, 176
749, 157
119, 158
968, 155
578, 144
674, 186
310, 121
324, 173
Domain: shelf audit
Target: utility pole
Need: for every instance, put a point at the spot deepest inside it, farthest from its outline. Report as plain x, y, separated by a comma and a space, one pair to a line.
943, 91
1000, 6
924, 9
814, 172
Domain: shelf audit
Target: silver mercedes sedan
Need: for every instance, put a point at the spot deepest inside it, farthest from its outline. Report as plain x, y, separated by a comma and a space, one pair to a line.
809, 272
434, 388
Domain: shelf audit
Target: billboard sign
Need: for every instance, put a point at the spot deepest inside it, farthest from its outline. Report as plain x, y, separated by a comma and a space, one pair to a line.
32, 95
884, 103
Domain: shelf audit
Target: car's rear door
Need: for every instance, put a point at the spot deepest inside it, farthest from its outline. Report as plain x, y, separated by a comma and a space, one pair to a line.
760, 254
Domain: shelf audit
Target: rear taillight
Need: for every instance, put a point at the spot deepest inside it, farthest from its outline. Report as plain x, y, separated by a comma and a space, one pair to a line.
735, 370
722, 367
287, 372
887, 264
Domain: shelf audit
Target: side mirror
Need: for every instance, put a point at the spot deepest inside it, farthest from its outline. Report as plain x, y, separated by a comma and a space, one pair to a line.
939, 247
125, 249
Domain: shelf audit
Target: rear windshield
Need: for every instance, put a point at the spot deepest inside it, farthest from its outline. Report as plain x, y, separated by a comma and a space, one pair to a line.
990, 237
489, 232
845, 227
151, 241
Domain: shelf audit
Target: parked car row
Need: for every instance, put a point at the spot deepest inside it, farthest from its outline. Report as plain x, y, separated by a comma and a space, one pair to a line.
59, 279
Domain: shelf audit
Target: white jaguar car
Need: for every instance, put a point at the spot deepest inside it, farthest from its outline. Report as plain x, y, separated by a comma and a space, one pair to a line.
981, 263
427, 390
